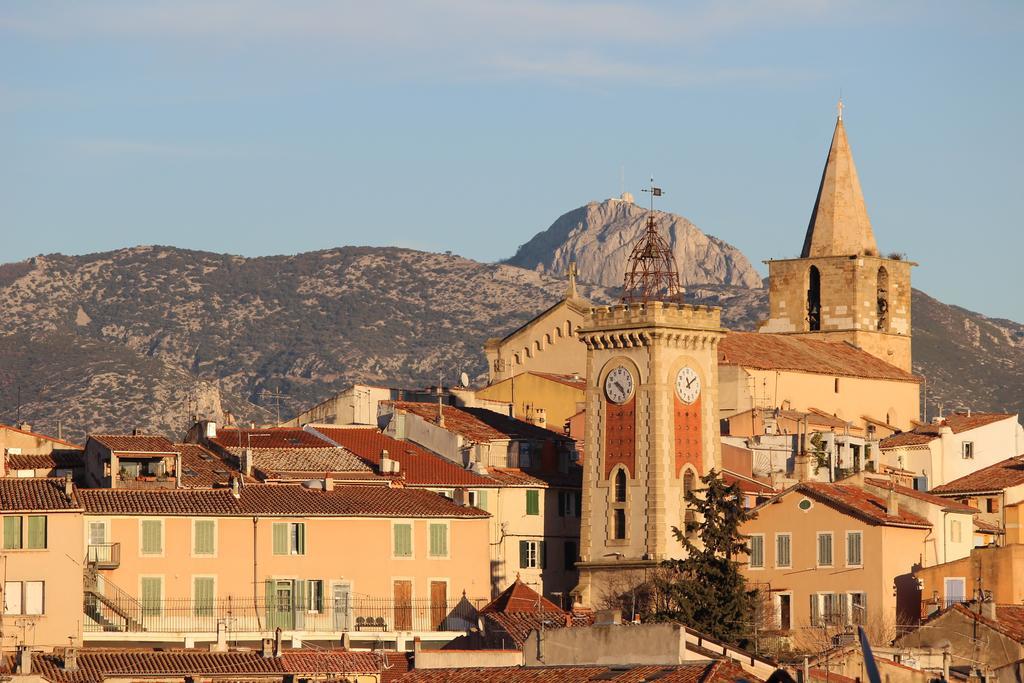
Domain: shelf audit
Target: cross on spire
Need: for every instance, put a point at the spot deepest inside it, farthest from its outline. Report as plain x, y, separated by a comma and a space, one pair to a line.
839, 108
570, 292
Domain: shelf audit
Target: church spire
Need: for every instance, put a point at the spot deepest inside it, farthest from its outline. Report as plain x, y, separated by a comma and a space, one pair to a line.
839, 223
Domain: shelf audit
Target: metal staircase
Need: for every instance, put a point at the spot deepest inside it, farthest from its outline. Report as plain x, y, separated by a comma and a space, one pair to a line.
112, 608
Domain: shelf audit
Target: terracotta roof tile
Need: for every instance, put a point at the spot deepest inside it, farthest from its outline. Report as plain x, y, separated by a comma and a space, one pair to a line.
702, 672
519, 609
790, 352
202, 468
944, 503
1002, 475
957, 422
1009, 619
95, 666
64, 459
276, 500
479, 424
417, 465
38, 494
128, 443
986, 527
748, 485
271, 437
324, 459
519, 597
856, 501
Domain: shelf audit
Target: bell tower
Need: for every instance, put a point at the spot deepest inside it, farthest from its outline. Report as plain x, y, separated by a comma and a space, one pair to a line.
841, 288
652, 417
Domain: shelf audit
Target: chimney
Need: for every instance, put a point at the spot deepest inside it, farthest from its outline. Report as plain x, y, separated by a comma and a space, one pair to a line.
24, 660
247, 462
211, 429
25, 427
988, 610
328, 482
71, 659
892, 505
69, 487
277, 642
136, 431
236, 487
268, 648
222, 639
417, 645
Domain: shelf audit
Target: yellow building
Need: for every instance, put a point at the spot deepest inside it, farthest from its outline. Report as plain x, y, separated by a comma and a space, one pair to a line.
42, 553
541, 398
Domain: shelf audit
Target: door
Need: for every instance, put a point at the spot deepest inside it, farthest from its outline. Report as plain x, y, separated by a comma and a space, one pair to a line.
955, 590
438, 604
280, 605
99, 551
341, 602
785, 612
403, 606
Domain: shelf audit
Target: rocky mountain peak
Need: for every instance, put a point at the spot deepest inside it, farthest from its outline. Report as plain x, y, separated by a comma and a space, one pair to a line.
600, 235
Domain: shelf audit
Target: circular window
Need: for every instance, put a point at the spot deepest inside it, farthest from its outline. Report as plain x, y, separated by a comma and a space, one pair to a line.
805, 504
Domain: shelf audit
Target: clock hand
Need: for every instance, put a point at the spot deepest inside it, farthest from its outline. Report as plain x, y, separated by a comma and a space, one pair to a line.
691, 382
621, 388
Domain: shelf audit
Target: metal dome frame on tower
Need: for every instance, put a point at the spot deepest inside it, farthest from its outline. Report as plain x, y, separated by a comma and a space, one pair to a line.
651, 271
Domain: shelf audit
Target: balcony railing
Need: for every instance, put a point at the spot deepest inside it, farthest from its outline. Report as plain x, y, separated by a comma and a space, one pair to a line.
104, 555
355, 613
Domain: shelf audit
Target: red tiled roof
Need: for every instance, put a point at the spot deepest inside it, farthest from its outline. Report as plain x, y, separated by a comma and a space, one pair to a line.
95, 666
944, 503
1002, 475
128, 443
31, 495
1009, 619
748, 485
702, 672
985, 527
479, 424
519, 609
53, 439
57, 459
519, 597
324, 459
957, 422
790, 352
417, 465
856, 501
271, 437
202, 468
276, 500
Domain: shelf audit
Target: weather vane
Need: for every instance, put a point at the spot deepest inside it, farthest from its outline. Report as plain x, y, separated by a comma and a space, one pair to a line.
654, 191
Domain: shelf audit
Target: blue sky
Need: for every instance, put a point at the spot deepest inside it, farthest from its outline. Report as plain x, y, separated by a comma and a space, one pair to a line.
259, 127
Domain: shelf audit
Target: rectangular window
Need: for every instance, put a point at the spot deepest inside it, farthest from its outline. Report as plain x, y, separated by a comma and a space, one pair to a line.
956, 590
12, 532
315, 595
531, 554
620, 523
478, 499
202, 592
854, 543
533, 502
152, 536
954, 530
289, 538
203, 537
570, 556
33, 597
439, 540
825, 549
967, 448
757, 551
783, 551
403, 540
12, 597
569, 503
152, 590
36, 532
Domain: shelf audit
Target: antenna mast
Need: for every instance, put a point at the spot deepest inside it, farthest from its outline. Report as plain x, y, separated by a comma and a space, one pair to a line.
651, 272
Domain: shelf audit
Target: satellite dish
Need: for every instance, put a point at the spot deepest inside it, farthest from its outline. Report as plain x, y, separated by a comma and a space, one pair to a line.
464, 378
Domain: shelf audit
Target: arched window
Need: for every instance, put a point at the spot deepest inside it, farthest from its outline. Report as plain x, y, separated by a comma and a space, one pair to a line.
689, 483
568, 328
547, 339
882, 295
618, 508
536, 345
813, 299
519, 361
558, 332
620, 486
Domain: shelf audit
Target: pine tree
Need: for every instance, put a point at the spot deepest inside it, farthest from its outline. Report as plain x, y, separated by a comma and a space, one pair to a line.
706, 591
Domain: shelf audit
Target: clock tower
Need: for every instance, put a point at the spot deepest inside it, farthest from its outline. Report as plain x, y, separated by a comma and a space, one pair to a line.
652, 424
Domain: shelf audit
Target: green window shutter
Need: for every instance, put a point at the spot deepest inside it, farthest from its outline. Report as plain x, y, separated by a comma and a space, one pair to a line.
300, 538
152, 592
481, 500
533, 502
12, 532
37, 531
524, 554
203, 592
403, 540
204, 537
438, 540
152, 543
542, 551
270, 603
280, 538
299, 593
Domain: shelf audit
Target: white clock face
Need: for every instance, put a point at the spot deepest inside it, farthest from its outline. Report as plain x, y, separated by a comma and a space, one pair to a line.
687, 385
618, 385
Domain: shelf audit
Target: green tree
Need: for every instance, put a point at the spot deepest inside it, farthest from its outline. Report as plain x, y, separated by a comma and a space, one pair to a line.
706, 589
